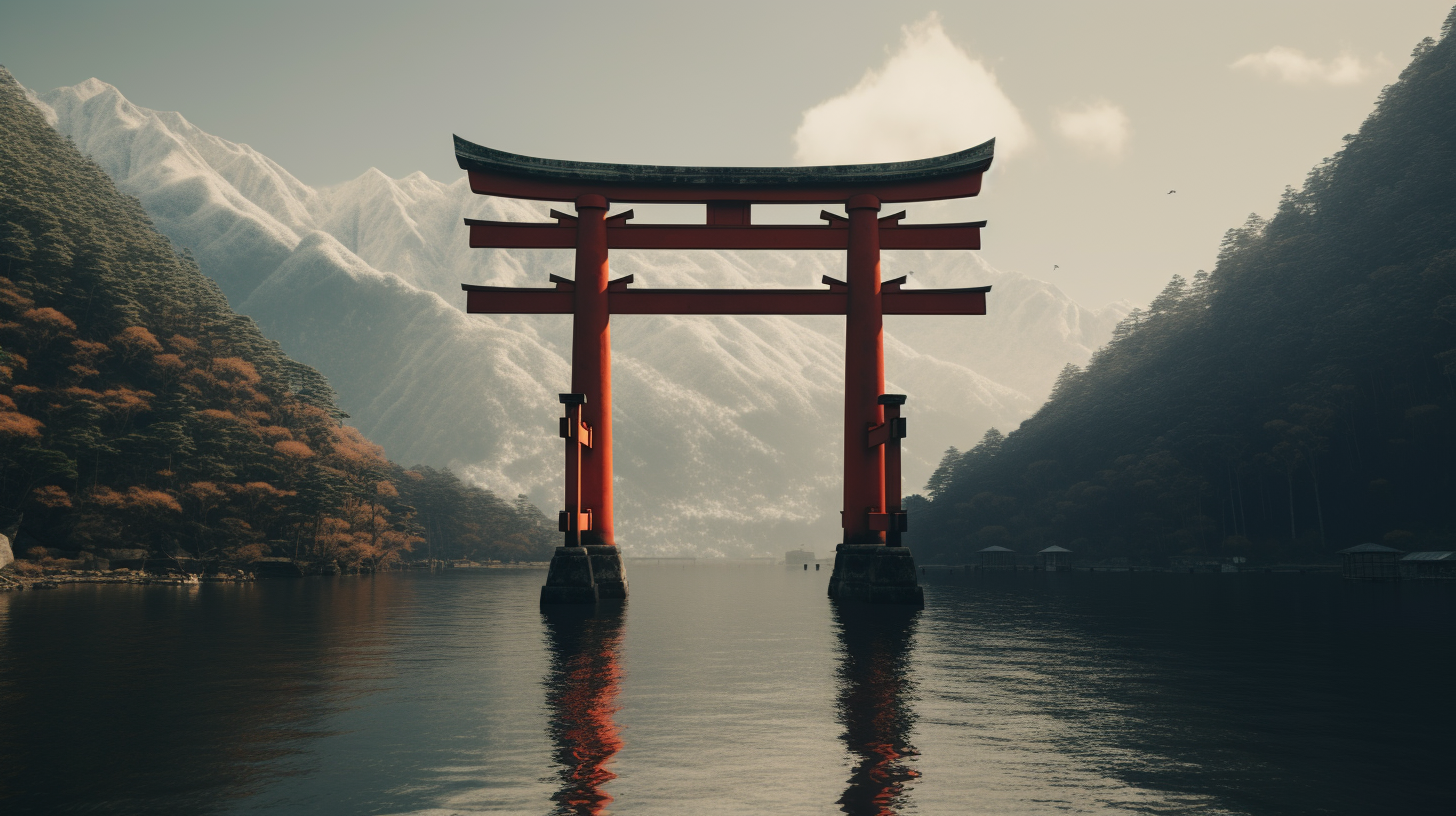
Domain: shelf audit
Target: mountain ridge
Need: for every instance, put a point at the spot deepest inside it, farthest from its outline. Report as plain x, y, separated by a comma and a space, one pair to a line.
389, 254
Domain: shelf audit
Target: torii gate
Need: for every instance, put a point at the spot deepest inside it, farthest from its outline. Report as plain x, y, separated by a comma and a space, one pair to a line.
869, 564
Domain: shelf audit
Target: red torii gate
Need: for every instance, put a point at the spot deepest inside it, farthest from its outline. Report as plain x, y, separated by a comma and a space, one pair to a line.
589, 566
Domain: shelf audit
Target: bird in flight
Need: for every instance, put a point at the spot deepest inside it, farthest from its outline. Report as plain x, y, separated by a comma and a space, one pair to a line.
1055, 267
1170, 192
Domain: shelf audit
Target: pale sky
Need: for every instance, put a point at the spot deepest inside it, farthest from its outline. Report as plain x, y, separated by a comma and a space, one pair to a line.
1099, 108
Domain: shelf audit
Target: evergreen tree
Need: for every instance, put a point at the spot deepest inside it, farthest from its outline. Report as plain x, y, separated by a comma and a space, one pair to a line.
1299, 398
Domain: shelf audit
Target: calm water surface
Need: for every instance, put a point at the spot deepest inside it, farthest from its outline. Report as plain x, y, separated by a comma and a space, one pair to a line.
731, 690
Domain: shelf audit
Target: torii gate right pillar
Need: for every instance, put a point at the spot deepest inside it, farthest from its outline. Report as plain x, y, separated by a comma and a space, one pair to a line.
865, 569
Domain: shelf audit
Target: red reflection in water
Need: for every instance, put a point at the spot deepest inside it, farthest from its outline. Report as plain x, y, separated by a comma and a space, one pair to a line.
874, 707
581, 690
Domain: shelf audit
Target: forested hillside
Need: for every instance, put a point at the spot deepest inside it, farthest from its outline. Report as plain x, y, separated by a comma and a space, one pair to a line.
388, 256
1299, 399
137, 410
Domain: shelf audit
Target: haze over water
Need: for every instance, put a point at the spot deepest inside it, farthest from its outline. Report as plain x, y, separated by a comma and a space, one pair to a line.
730, 690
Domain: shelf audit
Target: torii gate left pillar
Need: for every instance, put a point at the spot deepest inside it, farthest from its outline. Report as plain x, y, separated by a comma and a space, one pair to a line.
594, 572
591, 364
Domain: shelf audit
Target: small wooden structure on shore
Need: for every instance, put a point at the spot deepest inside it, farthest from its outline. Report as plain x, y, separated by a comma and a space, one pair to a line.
994, 557
1371, 562
1428, 565
1053, 558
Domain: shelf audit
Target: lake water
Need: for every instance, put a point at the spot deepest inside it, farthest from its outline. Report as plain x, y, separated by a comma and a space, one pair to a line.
732, 690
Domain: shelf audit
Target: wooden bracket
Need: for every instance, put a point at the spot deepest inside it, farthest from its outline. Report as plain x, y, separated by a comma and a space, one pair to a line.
618, 285
895, 522
835, 221
894, 284
583, 432
886, 431
835, 284
892, 220
878, 435
563, 219
620, 218
583, 521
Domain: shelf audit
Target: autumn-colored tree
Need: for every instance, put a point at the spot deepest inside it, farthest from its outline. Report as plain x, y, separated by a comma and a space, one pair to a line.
135, 341
138, 410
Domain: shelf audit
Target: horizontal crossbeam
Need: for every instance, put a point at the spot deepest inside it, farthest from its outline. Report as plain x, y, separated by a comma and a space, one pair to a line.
511, 300
936, 189
932, 236
562, 235
498, 173
936, 301
728, 301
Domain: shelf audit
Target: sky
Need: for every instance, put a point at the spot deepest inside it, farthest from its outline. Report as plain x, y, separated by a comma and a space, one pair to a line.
1099, 109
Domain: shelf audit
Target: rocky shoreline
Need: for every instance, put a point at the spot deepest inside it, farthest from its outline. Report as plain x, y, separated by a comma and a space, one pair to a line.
47, 568
11, 582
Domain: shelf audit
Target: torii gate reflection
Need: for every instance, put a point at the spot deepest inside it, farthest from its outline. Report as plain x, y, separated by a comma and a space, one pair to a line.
869, 564
581, 693
873, 704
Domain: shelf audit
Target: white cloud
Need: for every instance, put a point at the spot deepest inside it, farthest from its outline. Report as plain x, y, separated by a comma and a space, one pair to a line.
1099, 127
1292, 66
928, 99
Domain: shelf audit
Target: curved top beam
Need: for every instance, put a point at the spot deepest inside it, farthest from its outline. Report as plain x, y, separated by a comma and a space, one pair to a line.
498, 173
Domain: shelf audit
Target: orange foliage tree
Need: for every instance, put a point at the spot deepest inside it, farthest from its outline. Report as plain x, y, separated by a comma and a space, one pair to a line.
138, 410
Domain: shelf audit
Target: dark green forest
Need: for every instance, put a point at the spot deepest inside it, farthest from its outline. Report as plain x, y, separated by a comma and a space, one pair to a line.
138, 411
1298, 399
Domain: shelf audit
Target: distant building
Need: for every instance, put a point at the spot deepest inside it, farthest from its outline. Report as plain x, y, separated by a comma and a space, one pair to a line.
1428, 565
1052, 558
795, 558
998, 558
1371, 562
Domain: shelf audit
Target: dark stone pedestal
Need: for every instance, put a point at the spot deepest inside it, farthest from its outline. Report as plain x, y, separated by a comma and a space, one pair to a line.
584, 575
608, 573
875, 574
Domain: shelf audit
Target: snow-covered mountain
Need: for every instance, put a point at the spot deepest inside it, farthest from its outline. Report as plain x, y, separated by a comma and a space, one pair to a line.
727, 427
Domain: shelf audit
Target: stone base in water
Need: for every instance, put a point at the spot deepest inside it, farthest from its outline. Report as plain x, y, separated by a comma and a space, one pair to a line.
875, 574
584, 575
608, 573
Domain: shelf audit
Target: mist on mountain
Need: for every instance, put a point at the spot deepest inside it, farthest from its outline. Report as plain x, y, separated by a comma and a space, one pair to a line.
727, 427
